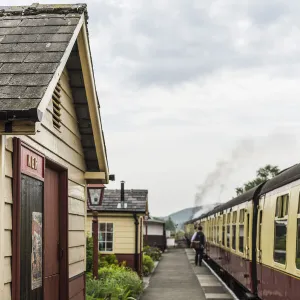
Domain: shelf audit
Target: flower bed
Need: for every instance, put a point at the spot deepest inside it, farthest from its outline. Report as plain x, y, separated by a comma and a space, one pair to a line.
116, 281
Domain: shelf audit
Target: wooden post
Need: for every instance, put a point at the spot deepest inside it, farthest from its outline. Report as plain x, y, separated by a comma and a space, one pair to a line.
95, 245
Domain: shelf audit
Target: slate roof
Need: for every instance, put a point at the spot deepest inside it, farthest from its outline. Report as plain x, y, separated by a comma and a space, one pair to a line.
33, 40
136, 201
154, 221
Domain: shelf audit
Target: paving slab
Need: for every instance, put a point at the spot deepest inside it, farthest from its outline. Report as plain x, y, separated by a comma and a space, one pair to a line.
212, 287
174, 279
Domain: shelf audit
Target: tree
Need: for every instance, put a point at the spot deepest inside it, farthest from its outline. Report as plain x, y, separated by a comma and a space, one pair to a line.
262, 175
170, 224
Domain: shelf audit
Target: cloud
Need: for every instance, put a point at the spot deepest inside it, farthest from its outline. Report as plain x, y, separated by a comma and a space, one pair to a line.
180, 83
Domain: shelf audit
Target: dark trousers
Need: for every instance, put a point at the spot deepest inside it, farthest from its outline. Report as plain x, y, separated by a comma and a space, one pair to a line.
198, 256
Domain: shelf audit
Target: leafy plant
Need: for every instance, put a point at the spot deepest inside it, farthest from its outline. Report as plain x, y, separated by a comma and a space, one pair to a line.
89, 254
115, 283
148, 265
153, 252
107, 260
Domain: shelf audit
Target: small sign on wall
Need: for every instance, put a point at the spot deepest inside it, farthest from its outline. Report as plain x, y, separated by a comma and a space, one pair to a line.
32, 163
37, 251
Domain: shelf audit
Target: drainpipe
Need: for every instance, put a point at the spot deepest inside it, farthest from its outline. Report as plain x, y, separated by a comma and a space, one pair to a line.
136, 257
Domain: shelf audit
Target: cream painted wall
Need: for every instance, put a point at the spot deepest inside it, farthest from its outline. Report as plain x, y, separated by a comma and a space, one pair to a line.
63, 147
124, 232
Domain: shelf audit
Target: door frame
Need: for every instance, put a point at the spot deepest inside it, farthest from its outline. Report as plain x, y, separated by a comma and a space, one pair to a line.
63, 219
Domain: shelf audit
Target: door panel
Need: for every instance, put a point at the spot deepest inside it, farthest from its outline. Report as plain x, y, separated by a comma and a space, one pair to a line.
31, 239
51, 236
259, 247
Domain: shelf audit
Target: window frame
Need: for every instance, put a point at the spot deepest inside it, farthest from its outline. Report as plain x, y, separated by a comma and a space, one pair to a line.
297, 234
224, 228
105, 235
228, 230
233, 229
281, 215
241, 222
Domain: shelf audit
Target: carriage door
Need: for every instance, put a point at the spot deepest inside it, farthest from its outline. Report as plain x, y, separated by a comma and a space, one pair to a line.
259, 245
51, 235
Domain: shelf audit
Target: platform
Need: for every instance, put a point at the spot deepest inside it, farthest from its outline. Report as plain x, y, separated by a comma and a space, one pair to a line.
176, 277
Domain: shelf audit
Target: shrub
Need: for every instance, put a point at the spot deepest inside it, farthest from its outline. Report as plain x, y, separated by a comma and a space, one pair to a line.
148, 265
89, 254
153, 252
124, 276
107, 260
115, 282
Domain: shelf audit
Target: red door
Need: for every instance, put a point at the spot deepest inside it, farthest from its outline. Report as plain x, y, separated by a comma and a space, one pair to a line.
51, 235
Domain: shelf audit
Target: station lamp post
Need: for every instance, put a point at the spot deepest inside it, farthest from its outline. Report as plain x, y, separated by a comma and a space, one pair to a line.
95, 196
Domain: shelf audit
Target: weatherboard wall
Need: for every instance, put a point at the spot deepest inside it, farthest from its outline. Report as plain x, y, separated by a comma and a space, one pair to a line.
63, 147
123, 234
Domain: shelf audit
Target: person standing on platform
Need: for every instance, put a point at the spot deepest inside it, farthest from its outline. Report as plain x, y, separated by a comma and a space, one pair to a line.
198, 243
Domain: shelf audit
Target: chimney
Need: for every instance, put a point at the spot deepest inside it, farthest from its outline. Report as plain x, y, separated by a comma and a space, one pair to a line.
122, 194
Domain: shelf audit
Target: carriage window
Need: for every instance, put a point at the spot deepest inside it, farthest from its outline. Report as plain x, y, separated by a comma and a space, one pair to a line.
218, 230
233, 241
241, 230
228, 230
298, 238
223, 230
298, 244
260, 228
281, 214
280, 241
282, 206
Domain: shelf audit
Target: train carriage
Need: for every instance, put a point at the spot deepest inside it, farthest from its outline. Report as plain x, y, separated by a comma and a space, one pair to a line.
253, 240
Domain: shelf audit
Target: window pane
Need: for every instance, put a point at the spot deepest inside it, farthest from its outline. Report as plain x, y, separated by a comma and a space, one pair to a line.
102, 227
109, 246
101, 237
234, 237
242, 211
109, 237
298, 245
101, 246
110, 227
241, 238
280, 241
260, 228
223, 235
228, 236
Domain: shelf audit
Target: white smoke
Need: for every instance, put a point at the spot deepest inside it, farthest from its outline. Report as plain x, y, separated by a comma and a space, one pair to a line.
262, 150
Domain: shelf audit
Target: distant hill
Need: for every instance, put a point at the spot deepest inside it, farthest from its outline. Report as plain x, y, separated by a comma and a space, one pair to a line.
180, 217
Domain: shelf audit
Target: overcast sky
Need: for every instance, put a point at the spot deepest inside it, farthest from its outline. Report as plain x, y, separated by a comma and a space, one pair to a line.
193, 88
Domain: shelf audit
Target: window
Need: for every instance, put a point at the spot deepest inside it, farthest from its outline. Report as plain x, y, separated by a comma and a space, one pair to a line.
280, 226
223, 230
218, 230
282, 206
233, 241
241, 230
106, 236
280, 241
260, 228
298, 238
228, 230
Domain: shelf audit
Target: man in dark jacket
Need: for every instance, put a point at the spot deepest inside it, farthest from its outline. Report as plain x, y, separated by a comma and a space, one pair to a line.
198, 242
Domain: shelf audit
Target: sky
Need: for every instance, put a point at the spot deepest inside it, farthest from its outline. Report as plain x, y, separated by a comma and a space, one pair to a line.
195, 92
